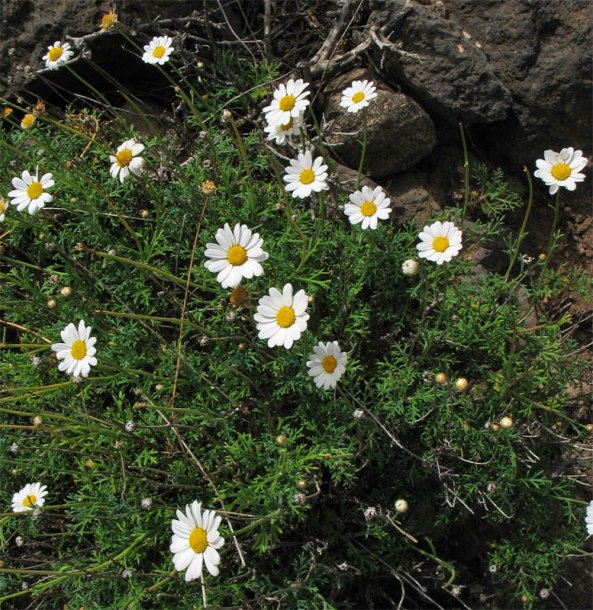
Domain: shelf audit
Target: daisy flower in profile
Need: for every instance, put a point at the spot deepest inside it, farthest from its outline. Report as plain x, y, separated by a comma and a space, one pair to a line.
57, 55
589, 518
327, 364
358, 95
158, 50
126, 160
367, 206
237, 255
281, 316
76, 352
305, 175
3, 208
28, 121
279, 132
30, 191
195, 541
561, 169
289, 101
439, 242
108, 20
30, 496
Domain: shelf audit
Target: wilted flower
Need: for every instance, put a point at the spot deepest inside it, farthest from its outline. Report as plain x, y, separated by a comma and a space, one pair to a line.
28, 121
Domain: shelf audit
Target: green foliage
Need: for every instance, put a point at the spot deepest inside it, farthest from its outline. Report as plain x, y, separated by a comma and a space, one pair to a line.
187, 403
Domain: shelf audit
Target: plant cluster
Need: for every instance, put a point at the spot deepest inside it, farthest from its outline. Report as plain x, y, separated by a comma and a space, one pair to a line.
192, 320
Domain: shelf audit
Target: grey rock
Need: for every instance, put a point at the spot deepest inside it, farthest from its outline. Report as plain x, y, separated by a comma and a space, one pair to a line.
399, 132
434, 60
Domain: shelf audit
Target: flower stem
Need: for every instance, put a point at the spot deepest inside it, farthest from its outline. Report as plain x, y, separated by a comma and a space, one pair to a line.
466, 170
365, 127
523, 226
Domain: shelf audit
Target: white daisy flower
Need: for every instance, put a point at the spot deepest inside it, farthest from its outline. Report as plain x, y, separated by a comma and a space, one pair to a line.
158, 50
440, 242
305, 175
281, 317
30, 191
279, 132
561, 169
327, 364
367, 206
126, 160
57, 55
237, 255
32, 495
289, 102
589, 518
358, 95
3, 208
195, 540
28, 121
77, 352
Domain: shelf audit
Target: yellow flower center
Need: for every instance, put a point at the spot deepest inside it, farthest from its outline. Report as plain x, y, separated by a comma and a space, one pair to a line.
124, 157
34, 190
329, 364
28, 121
287, 103
2, 206
287, 126
55, 53
108, 20
307, 176
78, 349
368, 208
440, 243
358, 97
236, 255
285, 317
561, 171
30, 501
198, 539
159, 51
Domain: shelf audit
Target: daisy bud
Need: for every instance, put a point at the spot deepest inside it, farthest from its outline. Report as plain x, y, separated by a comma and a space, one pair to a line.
118, 445
208, 187
302, 484
159, 387
456, 591
227, 115
495, 427
401, 506
491, 487
90, 464
19, 541
146, 503
589, 427
51, 304
130, 426
461, 384
281, 440
299, 498
492, 569
200, 65
544, 593
370, 512
242, 347
144, 214
506, 422
358, 414
126, 574
311, 298
14, 448
203, 340
440, 378
524, 598
37, 421
41, 236
410, 267
66, 291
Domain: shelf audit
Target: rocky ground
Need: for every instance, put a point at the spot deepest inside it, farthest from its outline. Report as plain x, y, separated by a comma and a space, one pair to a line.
516, 73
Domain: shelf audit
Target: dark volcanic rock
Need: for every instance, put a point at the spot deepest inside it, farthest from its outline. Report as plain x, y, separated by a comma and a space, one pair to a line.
439, 64
543, 53
400, 132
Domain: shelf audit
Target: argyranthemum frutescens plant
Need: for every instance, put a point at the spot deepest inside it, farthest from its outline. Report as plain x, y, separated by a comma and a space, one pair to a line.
261, 357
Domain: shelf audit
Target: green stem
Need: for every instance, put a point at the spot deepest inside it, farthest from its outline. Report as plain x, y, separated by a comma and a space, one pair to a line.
522, 233
364, 146
466, 171
552, 241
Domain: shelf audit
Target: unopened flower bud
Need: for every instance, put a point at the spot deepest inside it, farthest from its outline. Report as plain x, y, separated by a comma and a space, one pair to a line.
410, 267
461, 384
144, 214
440, 378
146, 503
370, 512
302, 484
401, 506
51, 304
130, 426
506, 422
37, 421
66, 291
281, 440
358, 414
19, 541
